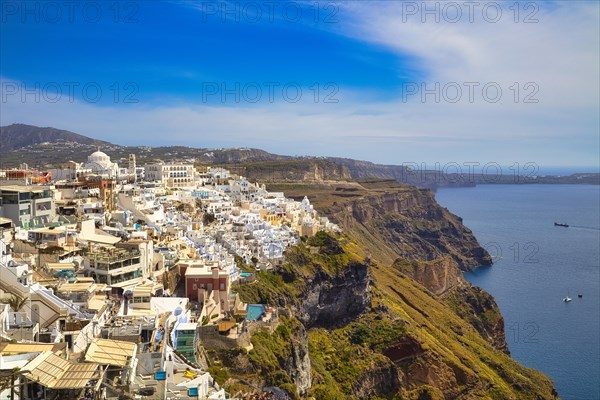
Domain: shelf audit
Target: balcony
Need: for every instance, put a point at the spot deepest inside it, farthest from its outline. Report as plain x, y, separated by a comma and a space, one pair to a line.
113, 256
23, 332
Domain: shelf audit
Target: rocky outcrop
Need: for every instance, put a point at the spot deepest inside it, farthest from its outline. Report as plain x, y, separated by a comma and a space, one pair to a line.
432, 372
479, 308
443, 278
410, 224
381, 377
331, 301
298, 363
438, 276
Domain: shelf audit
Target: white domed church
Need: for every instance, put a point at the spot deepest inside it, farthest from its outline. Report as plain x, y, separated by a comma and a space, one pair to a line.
100, 164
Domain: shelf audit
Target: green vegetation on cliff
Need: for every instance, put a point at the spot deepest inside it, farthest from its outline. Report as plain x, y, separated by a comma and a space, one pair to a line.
390, 339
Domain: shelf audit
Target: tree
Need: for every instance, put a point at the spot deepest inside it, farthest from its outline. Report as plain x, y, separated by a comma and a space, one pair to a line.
15, 302
208, 218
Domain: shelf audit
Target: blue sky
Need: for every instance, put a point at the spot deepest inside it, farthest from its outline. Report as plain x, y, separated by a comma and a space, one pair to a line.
344, 79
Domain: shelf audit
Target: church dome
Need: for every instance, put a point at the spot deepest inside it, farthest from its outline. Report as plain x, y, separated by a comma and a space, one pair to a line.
99, 162
98, 156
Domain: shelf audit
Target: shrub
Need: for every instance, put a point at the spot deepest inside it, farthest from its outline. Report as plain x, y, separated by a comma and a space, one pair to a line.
360, 335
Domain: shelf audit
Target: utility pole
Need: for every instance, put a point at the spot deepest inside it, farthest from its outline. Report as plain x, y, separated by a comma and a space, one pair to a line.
12, 385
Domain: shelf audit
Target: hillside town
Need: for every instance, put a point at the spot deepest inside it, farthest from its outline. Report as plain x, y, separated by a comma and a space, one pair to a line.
117, 280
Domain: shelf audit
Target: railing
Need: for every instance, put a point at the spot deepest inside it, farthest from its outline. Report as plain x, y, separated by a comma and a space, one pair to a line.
101, 257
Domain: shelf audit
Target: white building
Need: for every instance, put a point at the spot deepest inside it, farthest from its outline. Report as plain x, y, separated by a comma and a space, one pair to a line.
27, 206
170, 175
99, 163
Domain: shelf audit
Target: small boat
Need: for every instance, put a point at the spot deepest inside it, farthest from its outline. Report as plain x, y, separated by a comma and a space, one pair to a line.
567, 299
559, 224
580, 295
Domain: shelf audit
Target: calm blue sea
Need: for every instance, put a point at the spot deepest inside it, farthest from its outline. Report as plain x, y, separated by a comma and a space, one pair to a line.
535, 266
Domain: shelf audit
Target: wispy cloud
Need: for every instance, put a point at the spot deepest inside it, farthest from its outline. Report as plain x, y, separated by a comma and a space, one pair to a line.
558, 54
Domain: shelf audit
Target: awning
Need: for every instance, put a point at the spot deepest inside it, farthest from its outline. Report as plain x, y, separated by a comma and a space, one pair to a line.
96, 303
61, 266
99, 237
54, 372
22, 348
110, 352
126, 285
76, 287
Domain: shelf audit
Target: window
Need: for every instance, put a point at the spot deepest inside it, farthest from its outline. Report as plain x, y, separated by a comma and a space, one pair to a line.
115, 265
10, 198
24, 196
194, 287
43, 206
222, 286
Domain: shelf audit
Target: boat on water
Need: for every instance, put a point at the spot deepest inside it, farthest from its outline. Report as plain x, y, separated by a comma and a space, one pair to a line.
559, 224
567, 299
580, 295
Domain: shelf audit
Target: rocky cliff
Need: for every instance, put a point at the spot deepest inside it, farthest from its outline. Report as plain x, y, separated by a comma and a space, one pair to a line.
297, 364
430, 244
439, 276
409, 224
474, 305
298, 170
354, 328
382, 310
331, 301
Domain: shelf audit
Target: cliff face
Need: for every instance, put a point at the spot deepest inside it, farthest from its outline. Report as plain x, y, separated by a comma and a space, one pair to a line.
410, 224
355, 325
439, 276
297, 364
428, 244
334, 301
474, 305
365, 169
479, 308
299, 170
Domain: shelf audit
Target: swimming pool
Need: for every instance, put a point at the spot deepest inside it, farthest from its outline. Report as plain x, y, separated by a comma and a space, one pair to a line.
245, 274
254, 312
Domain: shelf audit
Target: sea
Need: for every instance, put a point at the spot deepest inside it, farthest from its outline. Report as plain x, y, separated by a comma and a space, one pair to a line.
537, 265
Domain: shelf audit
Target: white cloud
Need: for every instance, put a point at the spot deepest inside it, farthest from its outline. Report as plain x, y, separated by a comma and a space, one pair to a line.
559, 54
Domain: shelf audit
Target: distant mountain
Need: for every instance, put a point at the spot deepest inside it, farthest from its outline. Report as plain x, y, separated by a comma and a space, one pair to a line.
239, 155
16, 136
44, 147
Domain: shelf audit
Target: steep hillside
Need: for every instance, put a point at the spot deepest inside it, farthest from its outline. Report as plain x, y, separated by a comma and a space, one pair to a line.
411, 225
398, 221
352, 328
